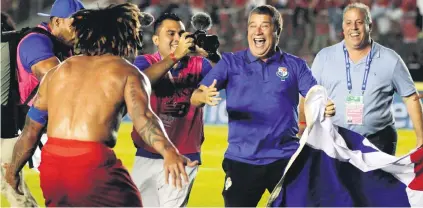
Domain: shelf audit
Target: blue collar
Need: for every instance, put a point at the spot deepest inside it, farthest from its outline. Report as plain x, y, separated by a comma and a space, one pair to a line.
277, 56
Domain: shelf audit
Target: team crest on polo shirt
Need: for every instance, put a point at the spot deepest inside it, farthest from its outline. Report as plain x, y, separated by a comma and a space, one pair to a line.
282, 73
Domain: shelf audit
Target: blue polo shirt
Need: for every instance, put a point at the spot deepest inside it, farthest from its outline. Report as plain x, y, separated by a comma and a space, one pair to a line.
261, 101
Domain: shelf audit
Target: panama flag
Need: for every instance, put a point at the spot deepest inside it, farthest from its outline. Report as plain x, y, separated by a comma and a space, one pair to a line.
336, 167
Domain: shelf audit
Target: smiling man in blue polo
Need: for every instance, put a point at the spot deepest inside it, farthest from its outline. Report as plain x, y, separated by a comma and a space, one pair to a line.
262, 85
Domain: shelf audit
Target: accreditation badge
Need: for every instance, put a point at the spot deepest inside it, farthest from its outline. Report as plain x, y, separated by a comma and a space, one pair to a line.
354, 110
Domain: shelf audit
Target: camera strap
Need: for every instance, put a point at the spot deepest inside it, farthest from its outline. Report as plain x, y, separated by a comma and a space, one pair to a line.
172, 80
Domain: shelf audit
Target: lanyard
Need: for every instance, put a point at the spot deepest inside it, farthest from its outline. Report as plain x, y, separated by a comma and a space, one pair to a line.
348, 70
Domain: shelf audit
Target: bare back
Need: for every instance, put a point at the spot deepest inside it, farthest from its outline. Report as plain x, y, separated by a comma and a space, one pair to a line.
86, 98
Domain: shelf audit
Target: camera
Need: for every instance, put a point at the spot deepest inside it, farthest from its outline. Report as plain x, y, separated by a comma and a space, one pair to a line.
209, 43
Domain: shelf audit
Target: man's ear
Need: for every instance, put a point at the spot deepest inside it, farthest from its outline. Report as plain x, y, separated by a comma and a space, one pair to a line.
155, 40
55, 21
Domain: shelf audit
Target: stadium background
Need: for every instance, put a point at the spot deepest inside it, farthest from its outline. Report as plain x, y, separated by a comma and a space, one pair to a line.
396, 28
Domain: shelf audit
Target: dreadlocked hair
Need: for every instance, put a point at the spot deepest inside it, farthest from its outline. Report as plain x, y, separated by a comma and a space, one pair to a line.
115, 29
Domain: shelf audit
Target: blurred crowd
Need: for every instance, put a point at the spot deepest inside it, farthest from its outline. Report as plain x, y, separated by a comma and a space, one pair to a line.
309, 25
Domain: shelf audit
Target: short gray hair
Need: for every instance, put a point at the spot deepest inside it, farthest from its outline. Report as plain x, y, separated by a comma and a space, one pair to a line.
363, 8
271, 11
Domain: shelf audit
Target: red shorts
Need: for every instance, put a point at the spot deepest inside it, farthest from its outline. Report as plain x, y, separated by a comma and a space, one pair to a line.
80, 173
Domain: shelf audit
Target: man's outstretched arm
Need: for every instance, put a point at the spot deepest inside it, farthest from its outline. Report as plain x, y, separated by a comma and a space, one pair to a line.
24, 148
146, 123
150, 128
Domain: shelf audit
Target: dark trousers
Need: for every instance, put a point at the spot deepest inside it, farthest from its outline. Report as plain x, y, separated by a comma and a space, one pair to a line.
385, 140
246, 183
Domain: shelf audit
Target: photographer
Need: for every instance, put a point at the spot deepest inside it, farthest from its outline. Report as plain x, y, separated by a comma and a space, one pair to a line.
174, 76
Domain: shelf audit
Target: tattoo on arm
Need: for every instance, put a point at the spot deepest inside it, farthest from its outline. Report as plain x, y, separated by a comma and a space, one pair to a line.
150, 128
151, 133
26, 145
31, 133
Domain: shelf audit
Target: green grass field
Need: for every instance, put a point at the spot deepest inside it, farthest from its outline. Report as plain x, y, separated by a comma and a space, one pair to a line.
209, 182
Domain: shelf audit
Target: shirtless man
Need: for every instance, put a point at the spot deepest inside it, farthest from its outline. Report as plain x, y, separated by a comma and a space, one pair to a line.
85, 99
